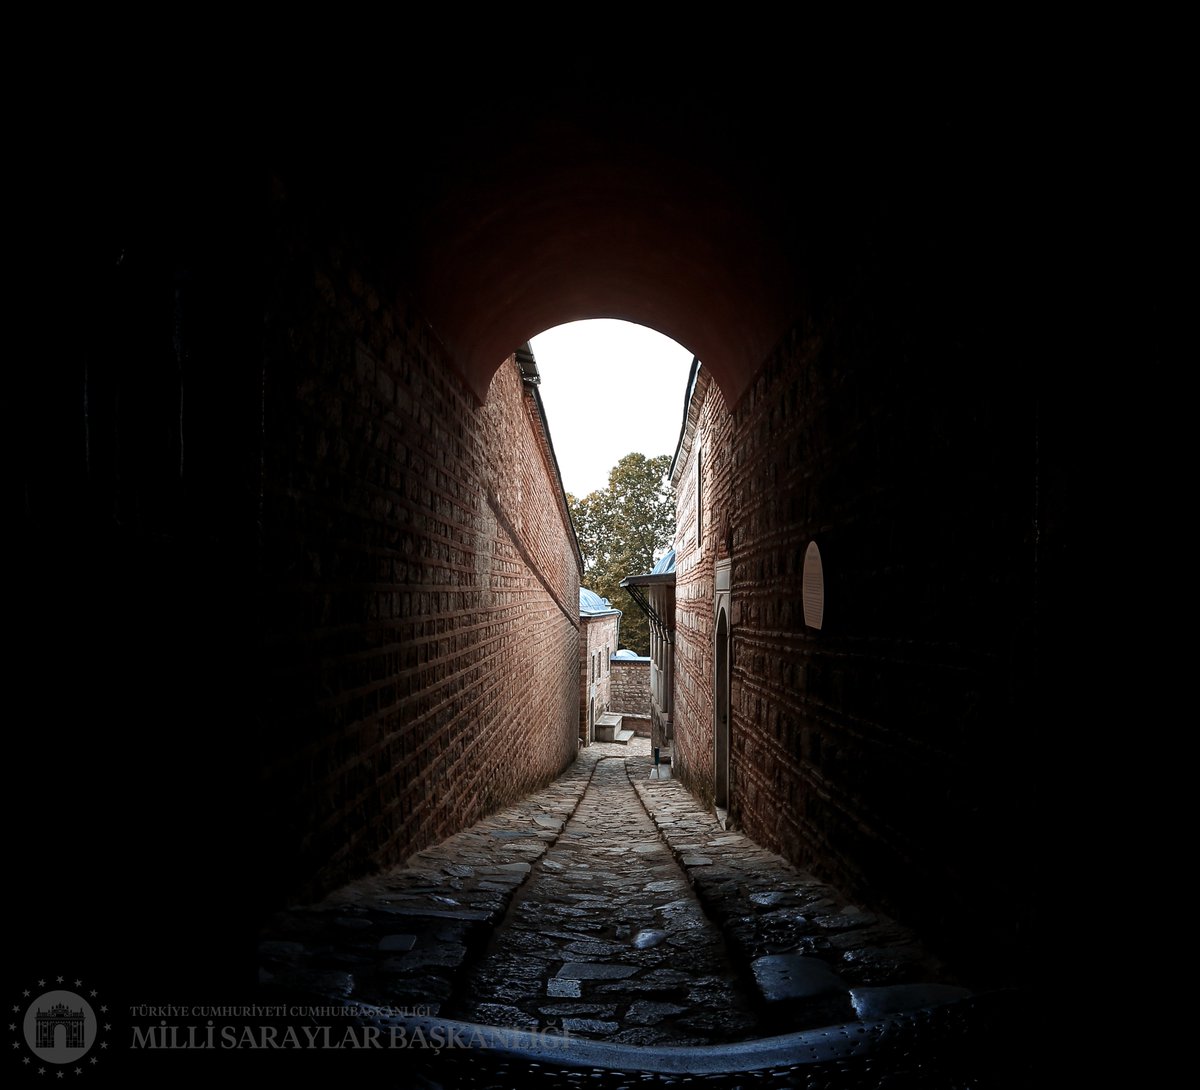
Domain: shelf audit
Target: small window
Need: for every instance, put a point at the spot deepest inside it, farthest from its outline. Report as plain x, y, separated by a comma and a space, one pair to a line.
699, 497
813, 587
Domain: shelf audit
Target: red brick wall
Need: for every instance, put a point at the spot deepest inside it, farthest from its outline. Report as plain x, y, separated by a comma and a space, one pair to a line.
885, 750
631, 686
132, 556
694, 579
422, 601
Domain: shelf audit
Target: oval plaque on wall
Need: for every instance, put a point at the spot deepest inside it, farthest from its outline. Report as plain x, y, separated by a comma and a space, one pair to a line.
813, 587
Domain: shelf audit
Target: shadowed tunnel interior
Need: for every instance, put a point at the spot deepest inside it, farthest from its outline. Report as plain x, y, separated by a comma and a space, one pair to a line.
276, 566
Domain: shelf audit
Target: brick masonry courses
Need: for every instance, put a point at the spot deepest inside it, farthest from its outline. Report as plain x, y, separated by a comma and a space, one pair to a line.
421, 621
705, 455
631, 690
878, 750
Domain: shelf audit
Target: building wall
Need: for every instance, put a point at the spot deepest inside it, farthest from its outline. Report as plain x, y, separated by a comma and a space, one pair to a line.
421, 604
701, 480
902, 750
881, 750
133, 552
597, 642
631, 686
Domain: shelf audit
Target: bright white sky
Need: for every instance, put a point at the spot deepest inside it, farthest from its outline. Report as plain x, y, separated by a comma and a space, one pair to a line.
610, 388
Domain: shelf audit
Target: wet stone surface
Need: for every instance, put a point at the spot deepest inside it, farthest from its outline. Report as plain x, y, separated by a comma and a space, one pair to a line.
788, 976
609, 893
611, 905
404, 937
770, 911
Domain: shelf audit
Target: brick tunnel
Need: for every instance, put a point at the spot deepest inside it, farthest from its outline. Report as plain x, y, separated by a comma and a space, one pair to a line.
291, 603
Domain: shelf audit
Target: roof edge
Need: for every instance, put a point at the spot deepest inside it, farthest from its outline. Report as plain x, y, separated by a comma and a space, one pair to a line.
687, 404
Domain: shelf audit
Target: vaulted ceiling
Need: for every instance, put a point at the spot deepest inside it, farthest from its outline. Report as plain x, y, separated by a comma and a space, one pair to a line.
699, 208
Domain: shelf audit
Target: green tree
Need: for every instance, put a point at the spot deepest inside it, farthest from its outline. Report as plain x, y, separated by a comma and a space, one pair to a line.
621, 529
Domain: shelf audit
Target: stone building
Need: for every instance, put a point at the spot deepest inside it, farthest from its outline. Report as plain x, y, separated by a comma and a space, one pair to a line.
600, 632
284, 528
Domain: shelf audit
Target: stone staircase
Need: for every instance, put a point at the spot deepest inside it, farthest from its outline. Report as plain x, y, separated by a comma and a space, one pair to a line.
610, 728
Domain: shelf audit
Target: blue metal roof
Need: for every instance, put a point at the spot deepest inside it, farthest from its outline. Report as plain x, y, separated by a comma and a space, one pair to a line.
591, 604
666, 565
625, 653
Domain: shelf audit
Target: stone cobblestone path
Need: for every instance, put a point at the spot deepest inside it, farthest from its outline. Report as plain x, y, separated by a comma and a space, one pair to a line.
610, 905
607, 940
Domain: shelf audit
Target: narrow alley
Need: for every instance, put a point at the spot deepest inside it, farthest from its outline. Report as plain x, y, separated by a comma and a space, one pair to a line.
329, 697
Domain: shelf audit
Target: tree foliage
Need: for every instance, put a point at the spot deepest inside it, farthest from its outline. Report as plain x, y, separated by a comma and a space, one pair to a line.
621, 530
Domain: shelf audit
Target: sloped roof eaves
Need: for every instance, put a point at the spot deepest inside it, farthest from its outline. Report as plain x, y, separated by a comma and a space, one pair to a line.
666, 563
662, 572
592, 605
649, 580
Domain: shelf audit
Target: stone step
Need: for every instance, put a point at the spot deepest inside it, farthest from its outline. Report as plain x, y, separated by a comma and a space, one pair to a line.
623, 736
608, 726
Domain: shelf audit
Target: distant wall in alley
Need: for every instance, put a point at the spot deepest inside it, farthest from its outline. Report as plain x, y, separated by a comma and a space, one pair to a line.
421, 578
631, 686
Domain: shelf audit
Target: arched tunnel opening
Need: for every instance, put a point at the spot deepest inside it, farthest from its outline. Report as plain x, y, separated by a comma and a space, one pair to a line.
295, 606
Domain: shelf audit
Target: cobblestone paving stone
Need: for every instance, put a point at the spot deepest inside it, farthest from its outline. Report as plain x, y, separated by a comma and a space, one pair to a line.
815, 958
579, 908
606, 940
400, 939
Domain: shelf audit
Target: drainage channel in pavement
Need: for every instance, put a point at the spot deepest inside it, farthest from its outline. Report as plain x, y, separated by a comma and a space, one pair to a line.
607, 940
612, 910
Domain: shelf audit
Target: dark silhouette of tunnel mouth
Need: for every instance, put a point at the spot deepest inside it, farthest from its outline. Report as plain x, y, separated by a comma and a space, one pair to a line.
944, 479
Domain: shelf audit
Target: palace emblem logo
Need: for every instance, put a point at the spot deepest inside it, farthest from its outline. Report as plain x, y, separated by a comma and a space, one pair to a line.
58, 1028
